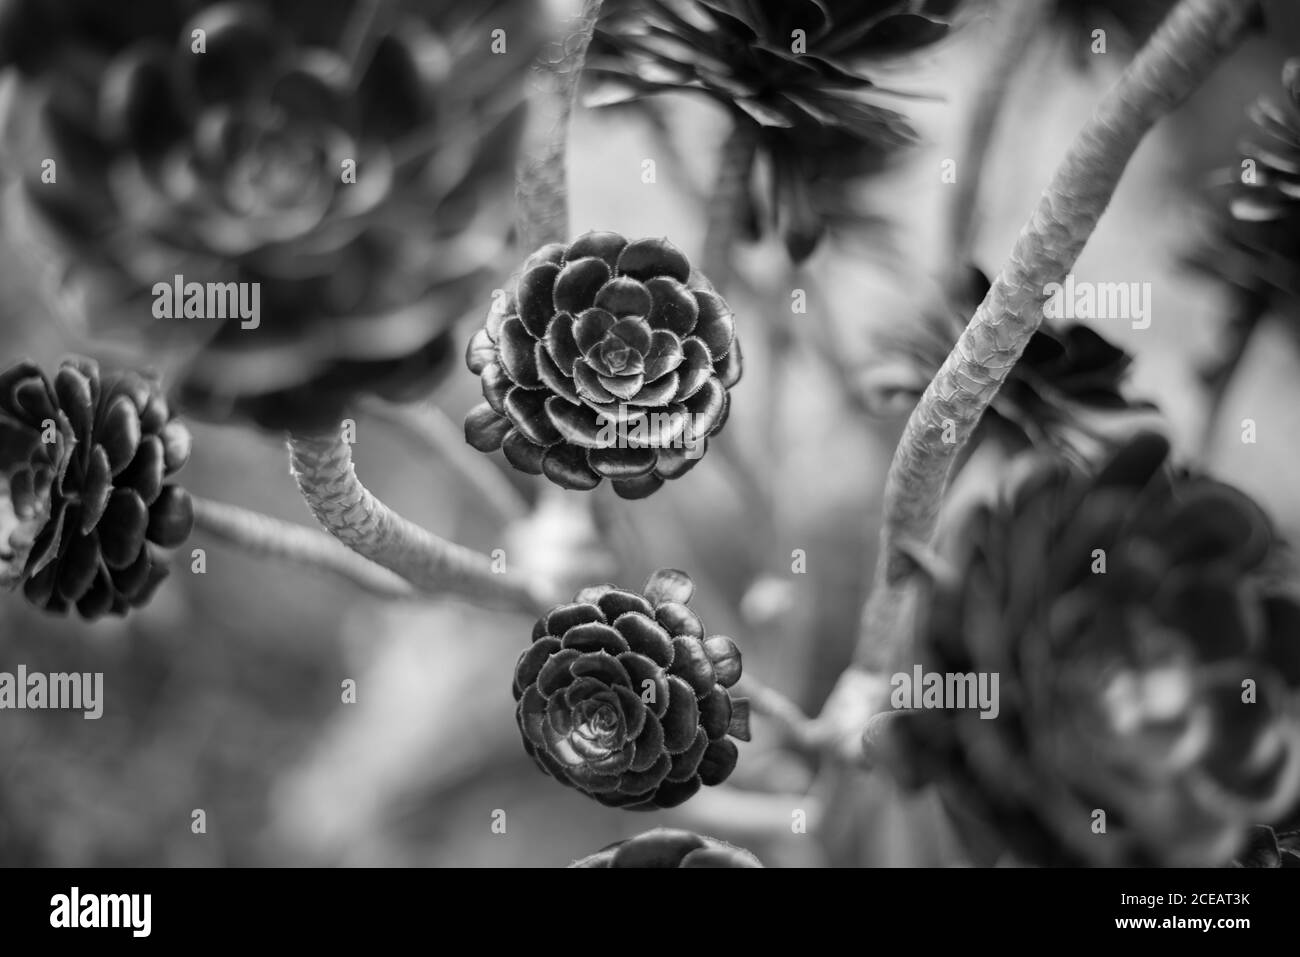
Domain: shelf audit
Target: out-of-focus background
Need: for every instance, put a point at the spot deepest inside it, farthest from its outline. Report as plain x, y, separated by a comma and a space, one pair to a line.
225, 694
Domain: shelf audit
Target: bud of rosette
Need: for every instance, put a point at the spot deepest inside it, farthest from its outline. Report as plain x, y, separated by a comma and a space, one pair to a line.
84, 503
625, 698
608, 359
668, 847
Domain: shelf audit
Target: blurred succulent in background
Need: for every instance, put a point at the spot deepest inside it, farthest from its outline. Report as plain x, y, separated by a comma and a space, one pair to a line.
353, 159
609, 359
1250, 239
668, 847
624, 697
84, 463
790, 74
1148, 668
1270, 848
1065, 393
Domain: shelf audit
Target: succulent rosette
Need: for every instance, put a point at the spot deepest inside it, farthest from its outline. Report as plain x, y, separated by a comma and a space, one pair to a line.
624, 697
1269, 847
1148, 669
1249, 240
609, 359
85, 505
350, 163
791, 73
670, 847
1066, 393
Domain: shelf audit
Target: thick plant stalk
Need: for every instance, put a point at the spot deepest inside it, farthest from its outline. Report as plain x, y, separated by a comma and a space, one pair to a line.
263, 535
796, 728
430, 426
542, 178
322, 463
730, 186
542, 190
1014, 24
327, 479
1177, 58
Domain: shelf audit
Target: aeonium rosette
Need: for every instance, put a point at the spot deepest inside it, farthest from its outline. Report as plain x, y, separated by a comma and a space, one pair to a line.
87, 505
669, 848
624, 697
1147, 644
608, 359
334, 176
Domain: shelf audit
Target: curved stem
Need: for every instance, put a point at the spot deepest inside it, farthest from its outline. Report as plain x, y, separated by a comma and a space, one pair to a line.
803, 733
846, 723
541, 183
322, 463
541, 188
327, 479
263, 535
1176, 59
1014, 24
1172, 64
429, 425
730, 185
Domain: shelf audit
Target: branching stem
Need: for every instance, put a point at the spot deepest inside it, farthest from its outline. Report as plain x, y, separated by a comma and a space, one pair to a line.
1177, 58
327, 479
261, 534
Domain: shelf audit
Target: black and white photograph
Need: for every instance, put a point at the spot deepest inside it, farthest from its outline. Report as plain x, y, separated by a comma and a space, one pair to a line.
781, 434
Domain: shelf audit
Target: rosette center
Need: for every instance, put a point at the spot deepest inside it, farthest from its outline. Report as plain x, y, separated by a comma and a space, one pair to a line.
599, 723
